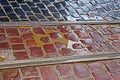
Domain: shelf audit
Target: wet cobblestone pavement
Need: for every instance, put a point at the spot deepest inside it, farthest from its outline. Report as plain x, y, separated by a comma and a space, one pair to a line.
42, 42
99, 70
59, 10
28, 42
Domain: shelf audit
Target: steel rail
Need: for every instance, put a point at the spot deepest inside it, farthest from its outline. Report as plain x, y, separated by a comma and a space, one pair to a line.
58, 60
53, 23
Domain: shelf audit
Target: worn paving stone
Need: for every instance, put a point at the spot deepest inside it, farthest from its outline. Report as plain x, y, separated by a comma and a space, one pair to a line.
73, 71
63, 40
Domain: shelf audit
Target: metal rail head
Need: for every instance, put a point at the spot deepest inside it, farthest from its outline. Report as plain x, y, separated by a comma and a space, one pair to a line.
53, 23
58, 60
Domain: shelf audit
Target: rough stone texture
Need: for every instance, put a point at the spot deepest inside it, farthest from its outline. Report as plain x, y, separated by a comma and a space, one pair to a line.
73, 71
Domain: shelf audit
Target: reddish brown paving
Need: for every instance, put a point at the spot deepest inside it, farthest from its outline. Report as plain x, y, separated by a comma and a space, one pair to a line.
12, 31
2, 30
116, 29
36, 52
94, 48
116, 76
2, 37
117, 44
55, 39
95, 70
33, 78
107, 47
38, 30
77, 46
64, 29
89, 28
70, 78
113, 37
24, 30
76, 27
18, 47
71, 37
50, 28
16, 40
27, 36
49, 48
112, 66
48, 73
21, 55
97, 37
87, 41
106, 31
82, 34
102, 75
55, 35
11, 74
64, 69
59, 45
29, 71
4, 45
45, 39
95, 66
66, 51
81, 71
31, 42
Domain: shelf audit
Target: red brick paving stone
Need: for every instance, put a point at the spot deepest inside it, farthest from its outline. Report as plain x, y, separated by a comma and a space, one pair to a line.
36, 52
39, 30
105, 31
97, 37
64, 29
33, 78
76, 27
116, 76
82, 34
2, 37
49, 48
87, 41
48, 73
31, 42
117, 44
50, 28
96, 66
29, 71
102, 75
16, 40
55, 35
66, 51
91, 79
107, 47
24, 30
18, 47
59, 45
81, 71
77, 46
112, 37
21, 55
45, 39
116, 29
70, 78
112, 66
12, 31
27, 36
11, 74
64, 69
4, 45
71, 37
94, 48
89, 28
2, 30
